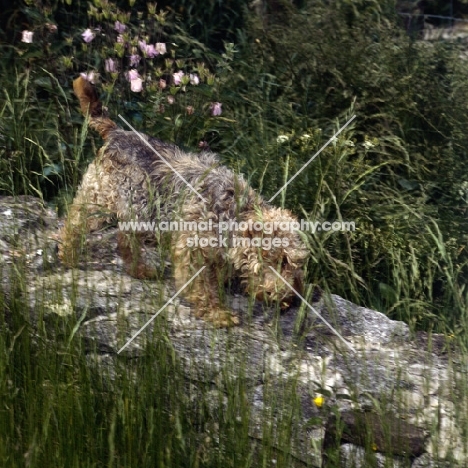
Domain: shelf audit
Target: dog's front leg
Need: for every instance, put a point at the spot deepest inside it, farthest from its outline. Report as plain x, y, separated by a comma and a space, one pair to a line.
203, 291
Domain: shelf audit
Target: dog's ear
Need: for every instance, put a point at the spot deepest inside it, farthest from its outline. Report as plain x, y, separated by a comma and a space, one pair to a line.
92, 107
87, 95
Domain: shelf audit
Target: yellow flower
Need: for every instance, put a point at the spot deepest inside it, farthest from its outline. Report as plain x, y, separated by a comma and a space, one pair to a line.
319, 401
374, 447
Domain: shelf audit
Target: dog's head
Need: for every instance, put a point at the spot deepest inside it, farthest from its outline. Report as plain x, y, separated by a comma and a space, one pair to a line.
271, 241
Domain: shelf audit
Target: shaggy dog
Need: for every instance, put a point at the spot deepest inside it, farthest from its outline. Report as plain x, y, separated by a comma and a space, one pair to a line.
139, 178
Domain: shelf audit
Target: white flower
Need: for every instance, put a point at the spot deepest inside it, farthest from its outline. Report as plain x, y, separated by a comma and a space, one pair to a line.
91, 76
282, 139
178, 77
194, 79
136, 85
368, 144
88, 35
27, 36
160, 47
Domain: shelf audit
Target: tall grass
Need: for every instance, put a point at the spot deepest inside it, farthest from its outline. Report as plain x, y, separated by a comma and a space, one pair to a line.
63, 405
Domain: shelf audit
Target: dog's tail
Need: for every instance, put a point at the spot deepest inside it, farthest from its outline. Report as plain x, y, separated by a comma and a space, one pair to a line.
91, 106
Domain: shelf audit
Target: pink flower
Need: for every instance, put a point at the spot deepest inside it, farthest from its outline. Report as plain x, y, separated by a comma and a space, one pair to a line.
148, 49
215, 108
194, 79
111, 65
133, 75
151, 52
88, 35
136, 85
190, 110
160, 47
204, 145
119, 27
162, 83
120, 39
27, 36
134, 60
170, 99
91, 76
178, 77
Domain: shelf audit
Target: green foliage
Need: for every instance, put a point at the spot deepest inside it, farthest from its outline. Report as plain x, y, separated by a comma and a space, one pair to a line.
400, 167
212, 22
60, 407
33, 153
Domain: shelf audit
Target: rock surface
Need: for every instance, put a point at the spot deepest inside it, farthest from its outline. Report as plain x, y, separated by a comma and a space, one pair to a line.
395, 400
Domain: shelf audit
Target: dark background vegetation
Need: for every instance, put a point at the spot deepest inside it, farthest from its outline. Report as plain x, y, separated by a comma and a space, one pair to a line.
298, 69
